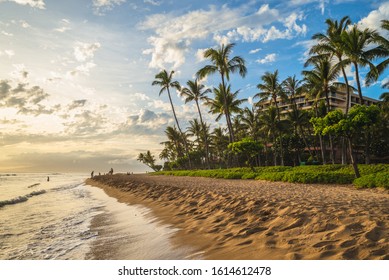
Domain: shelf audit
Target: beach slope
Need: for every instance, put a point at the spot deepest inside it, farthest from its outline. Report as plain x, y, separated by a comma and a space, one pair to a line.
250, 219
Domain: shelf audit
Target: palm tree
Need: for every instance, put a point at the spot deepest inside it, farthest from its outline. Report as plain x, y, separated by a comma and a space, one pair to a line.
314, 91
219, 144
292, 88
323, 76
224, 101
175, 137
355, 44
383, 42
165, 81
300, 119
271, 88
271, 127
195, 129
331, 44
225, 66
195, 92
249, 119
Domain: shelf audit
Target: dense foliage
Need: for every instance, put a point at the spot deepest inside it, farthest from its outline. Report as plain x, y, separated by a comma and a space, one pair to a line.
372, 175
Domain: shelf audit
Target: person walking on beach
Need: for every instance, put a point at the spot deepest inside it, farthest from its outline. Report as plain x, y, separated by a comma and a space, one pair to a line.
111, 171
91, 175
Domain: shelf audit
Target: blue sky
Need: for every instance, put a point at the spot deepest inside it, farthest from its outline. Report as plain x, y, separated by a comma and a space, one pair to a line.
75, 76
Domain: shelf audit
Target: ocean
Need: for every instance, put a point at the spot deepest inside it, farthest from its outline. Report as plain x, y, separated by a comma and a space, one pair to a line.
64, 218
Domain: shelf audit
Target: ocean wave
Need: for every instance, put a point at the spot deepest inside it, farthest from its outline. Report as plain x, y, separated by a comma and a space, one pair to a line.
33, 185
20, 199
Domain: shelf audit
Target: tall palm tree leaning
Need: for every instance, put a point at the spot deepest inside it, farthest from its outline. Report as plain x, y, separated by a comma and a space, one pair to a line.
331, 44
165, 81
195, 92
225, 66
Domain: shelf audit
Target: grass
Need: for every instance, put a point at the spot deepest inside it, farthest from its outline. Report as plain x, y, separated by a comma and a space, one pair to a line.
371, 175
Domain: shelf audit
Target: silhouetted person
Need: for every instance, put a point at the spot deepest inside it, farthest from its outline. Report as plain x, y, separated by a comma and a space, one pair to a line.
111, 171
48, 178
91, 175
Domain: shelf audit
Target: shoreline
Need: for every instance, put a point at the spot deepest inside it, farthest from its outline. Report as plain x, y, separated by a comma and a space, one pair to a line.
248, 219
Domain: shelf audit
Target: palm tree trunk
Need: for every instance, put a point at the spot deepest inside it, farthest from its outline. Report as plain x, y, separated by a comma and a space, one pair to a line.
362, 102
205, 136
347, 87
179, 129
322, 149
227, 112
353, 162
367, 150
329, 135
344, 151
279, 120
305, 141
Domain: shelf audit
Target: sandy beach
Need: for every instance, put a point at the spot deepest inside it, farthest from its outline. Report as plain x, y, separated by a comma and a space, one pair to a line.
250, 219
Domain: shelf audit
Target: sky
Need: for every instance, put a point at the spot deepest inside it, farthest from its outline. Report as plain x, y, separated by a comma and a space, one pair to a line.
75, 75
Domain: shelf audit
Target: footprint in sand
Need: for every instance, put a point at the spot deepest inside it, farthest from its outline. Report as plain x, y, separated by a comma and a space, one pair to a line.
298, 223
351, 254
348, 243
326, 254
241, 221
255, 230
322, 244
245, 243
374, 234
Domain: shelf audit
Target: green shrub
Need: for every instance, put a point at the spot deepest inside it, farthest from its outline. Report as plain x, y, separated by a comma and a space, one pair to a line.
318, 177
249, 175
380, 179
372, 175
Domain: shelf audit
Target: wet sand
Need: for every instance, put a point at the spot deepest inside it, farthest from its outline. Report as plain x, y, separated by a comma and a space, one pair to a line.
250, 219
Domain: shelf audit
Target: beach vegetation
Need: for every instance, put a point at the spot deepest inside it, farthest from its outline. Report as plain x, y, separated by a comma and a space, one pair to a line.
318, 174
148, 159
294, 130
380, 179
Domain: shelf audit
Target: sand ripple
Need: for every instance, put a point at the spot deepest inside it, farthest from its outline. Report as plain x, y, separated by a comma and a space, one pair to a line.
247, 219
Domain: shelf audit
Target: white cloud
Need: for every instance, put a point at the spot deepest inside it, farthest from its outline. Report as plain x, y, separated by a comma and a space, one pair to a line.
9, 53
152, 2
84, 51
6, 33
83, 69
139, 96
175, 34
222, 39
105, 5
254, 51
64, 26
307, 44
384, 81
268, 59
20, 73
373, 20
24, 24
321, 3
40, 4
200, 55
